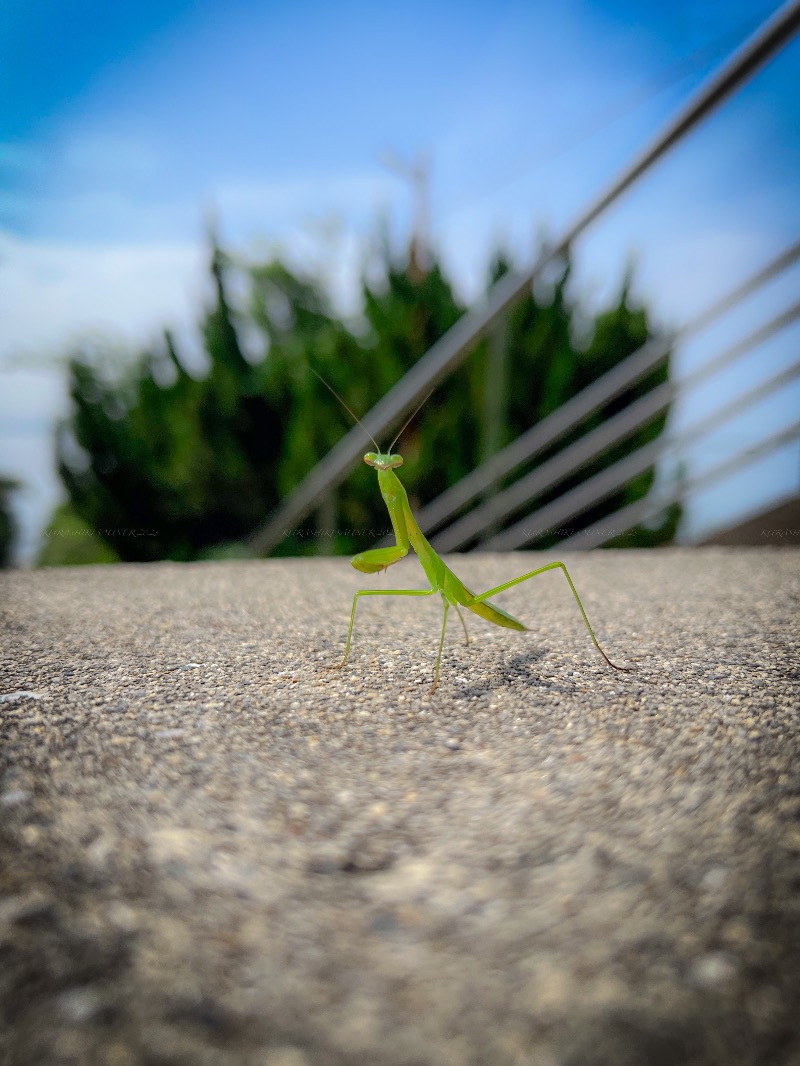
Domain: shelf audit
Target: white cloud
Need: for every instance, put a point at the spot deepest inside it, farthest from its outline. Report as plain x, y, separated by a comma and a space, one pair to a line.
52, 296
289, 208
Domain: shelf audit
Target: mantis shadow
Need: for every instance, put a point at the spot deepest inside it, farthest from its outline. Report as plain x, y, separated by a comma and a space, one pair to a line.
520, 667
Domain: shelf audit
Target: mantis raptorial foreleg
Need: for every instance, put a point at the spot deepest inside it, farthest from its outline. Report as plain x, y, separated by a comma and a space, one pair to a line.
377, 559
541, 570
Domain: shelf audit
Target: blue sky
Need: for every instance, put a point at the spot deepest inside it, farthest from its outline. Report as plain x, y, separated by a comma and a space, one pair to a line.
122, 126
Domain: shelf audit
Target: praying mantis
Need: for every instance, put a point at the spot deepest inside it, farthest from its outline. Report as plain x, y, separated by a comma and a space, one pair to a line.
407, 534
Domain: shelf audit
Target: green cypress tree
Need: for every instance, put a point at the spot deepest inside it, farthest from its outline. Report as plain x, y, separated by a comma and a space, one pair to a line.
8, 526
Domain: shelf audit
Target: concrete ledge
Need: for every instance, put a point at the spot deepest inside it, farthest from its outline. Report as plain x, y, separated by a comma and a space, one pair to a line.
215, 850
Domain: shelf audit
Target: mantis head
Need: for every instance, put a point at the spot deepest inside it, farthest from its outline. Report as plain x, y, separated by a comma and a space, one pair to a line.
382, 462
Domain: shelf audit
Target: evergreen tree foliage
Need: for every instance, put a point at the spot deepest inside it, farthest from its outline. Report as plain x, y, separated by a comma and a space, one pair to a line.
8, 527
171, 465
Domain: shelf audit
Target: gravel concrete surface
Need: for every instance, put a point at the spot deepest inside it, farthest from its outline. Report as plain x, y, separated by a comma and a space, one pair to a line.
214, 850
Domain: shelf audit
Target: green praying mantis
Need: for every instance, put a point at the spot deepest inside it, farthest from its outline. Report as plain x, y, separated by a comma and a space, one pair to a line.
407, 534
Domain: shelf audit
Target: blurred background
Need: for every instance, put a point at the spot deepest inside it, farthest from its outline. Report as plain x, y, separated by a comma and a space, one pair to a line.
200, 201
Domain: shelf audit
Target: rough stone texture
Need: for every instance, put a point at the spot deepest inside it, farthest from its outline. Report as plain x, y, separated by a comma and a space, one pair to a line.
213, 850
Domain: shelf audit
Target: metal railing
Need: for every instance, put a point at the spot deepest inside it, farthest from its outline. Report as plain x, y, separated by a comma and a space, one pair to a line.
595, 489
585, 403
651, 505
448, 353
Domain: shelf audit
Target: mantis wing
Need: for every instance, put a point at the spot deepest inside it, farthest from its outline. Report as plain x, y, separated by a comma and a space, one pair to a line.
494, 614
466, 598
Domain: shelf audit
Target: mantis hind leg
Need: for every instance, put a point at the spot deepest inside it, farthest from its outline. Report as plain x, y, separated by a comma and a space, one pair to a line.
375, 592
542, 570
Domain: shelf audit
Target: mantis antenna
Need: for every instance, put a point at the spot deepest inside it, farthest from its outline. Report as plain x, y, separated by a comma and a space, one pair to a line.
408, 421
352, 414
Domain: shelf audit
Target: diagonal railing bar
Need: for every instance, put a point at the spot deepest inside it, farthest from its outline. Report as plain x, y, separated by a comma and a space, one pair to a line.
459, 341
571, 413
597, 441
629, 517
597, 488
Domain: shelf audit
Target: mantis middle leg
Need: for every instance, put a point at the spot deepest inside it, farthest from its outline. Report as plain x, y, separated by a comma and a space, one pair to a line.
376, 592
400, 592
